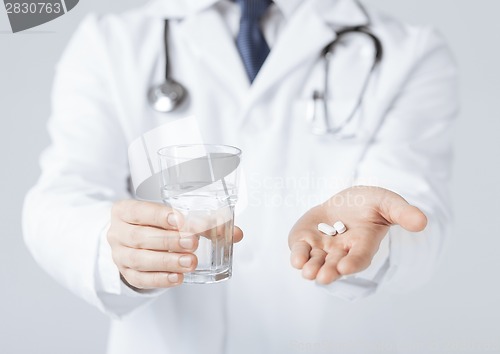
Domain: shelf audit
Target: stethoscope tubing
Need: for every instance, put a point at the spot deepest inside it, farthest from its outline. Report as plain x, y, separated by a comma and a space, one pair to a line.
327, 54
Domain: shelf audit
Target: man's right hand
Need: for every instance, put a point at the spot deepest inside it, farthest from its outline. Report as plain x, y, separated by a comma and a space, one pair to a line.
147, 246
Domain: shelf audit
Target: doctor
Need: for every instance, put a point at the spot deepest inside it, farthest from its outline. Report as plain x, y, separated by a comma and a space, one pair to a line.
252, 71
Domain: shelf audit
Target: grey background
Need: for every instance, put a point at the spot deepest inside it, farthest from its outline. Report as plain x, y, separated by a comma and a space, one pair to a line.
21, 21
39, 316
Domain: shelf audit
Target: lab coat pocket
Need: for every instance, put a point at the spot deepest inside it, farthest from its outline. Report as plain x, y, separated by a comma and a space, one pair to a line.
323, 163
331, 121
338, 106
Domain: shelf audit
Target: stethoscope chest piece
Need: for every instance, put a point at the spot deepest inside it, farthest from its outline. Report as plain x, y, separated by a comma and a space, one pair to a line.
166, 97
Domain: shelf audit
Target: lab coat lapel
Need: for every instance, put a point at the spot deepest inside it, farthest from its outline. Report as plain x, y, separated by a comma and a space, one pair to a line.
211, 40
310, 29
302, 38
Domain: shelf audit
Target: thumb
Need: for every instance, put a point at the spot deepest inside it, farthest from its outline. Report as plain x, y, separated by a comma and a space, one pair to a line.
397, 211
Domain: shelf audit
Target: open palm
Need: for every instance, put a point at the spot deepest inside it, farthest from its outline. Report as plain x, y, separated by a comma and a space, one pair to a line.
368, 212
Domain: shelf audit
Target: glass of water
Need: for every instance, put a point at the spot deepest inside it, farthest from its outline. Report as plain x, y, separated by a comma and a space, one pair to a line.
200, 182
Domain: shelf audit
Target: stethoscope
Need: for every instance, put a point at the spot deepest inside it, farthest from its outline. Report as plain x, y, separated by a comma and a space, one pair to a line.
319, 112
167, 96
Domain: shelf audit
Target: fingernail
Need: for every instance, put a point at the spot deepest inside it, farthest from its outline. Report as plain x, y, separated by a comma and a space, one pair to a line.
186, 243
173, 278
172, 219
185, 261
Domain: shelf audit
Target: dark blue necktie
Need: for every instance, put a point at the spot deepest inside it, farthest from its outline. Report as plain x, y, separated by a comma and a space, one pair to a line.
250, 41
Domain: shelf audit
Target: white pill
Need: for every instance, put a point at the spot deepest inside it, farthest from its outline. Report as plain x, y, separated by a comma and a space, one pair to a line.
340, 227
327, 229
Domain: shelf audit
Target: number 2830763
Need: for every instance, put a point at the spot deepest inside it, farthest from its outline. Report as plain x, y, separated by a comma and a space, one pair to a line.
33, 8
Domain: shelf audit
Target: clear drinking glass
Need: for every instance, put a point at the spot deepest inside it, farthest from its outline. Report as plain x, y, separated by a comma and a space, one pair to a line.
201, 183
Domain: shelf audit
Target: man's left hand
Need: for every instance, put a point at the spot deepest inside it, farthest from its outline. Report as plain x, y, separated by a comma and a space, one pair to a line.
367, 212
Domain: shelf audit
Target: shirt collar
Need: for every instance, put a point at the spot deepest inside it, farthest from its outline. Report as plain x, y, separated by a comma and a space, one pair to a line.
345, 11
287, 7
176, 8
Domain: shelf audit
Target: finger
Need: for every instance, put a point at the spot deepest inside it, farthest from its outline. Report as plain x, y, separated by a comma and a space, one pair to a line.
396, 210
328, 272
412, 219
152, 238
313, 265
237, 235
148, 214
151, 280
157, 261
220, 232
301, 251
359, 255
209, 223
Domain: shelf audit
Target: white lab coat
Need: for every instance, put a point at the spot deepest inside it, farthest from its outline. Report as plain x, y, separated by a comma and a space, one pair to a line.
403, 144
